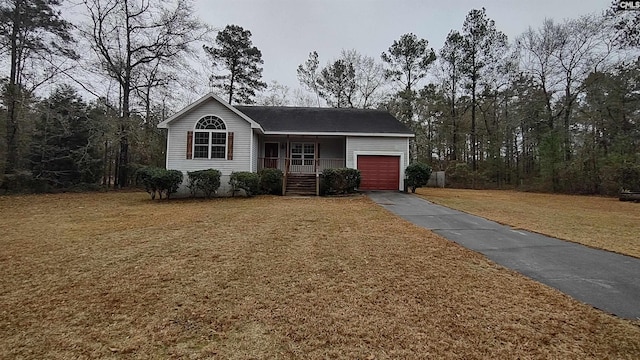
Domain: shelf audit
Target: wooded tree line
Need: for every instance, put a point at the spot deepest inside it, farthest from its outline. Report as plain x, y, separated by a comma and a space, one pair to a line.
555, 109
131, 57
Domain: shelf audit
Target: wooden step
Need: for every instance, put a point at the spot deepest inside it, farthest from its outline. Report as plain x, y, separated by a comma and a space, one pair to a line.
301, 185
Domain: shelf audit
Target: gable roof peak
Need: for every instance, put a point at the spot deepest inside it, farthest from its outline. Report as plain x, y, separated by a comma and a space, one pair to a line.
165, 124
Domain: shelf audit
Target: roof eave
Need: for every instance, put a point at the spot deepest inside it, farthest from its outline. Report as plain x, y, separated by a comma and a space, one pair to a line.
328, 133
165, 124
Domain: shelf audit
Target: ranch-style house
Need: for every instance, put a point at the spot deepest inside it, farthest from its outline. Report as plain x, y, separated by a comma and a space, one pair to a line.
300, 141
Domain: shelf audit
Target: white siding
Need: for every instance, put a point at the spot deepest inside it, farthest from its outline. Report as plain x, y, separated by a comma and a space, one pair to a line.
254, 151
177, 145
177, 140
332, 148
378, 146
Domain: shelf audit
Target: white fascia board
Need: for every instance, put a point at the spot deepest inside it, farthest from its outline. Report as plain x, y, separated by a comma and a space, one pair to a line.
339, 134
165, 124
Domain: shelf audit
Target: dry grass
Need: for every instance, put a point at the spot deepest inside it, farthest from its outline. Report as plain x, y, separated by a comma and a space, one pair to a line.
599, 222
117, 276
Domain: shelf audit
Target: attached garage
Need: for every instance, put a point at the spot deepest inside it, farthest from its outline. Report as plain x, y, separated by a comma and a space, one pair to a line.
379, 172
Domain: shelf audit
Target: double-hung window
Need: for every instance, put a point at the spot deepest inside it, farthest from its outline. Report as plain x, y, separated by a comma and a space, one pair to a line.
302, 153
210, 138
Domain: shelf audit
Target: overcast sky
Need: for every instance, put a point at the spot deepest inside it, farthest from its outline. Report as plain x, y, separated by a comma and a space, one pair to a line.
287, 30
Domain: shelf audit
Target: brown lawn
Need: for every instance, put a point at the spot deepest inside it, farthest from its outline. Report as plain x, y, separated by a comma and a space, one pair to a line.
599, 222
118, 276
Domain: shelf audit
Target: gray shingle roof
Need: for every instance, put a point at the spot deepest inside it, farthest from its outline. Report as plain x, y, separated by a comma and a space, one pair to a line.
324, 120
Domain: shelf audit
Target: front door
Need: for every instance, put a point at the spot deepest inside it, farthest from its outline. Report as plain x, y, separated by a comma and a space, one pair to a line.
302, 158
271, 155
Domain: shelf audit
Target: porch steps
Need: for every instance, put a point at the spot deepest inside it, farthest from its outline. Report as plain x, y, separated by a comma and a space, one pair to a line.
301, 184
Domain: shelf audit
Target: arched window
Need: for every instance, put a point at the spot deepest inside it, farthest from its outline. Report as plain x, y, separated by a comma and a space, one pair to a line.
210, 138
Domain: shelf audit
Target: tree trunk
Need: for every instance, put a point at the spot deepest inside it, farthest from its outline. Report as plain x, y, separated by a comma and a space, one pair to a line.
13, 92
474, 153
454, 147
12, 130
232, 78
123, 157
566, 129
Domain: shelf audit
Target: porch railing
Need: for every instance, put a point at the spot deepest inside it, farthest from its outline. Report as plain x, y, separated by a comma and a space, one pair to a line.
271, 162
300, 166
330, 163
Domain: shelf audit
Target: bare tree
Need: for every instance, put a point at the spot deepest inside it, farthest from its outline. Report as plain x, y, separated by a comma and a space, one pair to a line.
128, 37
275, 95
351, 80
302, 98
560, 57
537, 48
369, 79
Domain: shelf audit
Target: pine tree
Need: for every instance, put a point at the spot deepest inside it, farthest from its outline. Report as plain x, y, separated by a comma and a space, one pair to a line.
65, 147
482, 46
28, 29
308, 74
408, 60
451, 55
235, 52
337, 84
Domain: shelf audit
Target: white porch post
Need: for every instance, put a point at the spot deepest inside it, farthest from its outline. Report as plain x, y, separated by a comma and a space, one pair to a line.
287, 156
316, 161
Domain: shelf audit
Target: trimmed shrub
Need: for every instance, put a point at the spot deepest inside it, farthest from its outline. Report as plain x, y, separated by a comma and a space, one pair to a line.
629, 177
171, 180
144, 177
23, 182
417, 175
205, 181
159, 181
247, 181
339, 181
271, 181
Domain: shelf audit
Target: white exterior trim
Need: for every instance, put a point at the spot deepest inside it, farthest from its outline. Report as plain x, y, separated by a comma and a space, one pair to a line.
383, 153
166, 149
408, 152
225, 132
319, 133
251, 145
165, 124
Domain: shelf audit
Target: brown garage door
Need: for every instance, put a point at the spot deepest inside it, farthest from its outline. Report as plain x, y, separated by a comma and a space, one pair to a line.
379, 172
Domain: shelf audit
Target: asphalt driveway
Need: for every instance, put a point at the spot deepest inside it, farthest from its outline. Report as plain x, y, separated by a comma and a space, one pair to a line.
605, 280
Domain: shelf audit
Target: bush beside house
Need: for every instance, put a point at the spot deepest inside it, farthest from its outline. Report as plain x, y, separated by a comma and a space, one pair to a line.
417, 175
271, 181
245, 180
339, 181
159, 181
205, 182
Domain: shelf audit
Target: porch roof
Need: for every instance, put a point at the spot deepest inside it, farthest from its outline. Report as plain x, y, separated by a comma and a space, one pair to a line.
330, 121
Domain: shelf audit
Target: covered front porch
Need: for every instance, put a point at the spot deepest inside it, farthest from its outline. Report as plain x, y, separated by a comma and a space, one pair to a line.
302, 154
